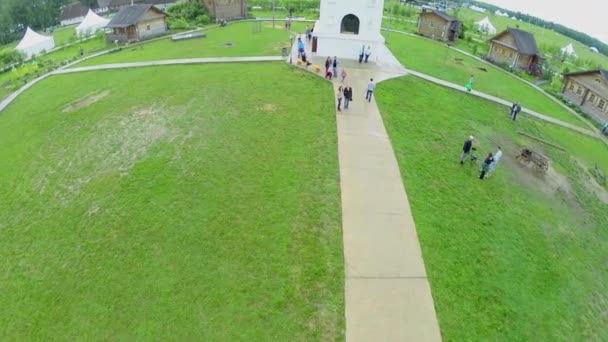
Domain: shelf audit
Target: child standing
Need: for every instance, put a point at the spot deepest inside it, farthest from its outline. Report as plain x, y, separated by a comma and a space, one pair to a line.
343, 75
469, 85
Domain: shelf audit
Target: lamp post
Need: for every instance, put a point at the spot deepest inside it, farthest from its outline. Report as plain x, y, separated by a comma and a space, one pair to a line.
273, 5
291, 38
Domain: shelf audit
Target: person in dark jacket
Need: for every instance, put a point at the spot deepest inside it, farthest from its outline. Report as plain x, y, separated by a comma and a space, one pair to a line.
466, 149
515, 109
486, 165
348, 96
327, 64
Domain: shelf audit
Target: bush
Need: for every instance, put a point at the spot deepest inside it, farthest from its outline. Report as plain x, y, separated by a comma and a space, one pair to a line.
10, 57
178, 23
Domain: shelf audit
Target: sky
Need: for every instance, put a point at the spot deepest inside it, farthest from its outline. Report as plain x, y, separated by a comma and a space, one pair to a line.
588, 16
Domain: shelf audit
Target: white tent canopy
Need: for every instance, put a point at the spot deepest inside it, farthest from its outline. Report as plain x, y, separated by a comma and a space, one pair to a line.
34, 43
91, 23
569, 50
486, 26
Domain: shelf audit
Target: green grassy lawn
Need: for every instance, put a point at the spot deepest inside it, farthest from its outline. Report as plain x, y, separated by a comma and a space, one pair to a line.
64, 35
542, 35
510, 258
245, 42
282, 14
435, 59
166, 203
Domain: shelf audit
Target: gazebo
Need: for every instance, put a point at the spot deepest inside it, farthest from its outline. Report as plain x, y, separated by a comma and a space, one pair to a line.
91, 23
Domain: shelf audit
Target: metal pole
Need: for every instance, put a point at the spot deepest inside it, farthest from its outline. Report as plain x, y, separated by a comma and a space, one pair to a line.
273, 3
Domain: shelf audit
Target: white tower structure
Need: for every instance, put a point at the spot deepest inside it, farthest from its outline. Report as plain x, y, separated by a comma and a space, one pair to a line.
344, 26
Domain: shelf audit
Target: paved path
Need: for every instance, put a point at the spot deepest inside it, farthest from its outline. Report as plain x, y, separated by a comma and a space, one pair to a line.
172, 62
388, 296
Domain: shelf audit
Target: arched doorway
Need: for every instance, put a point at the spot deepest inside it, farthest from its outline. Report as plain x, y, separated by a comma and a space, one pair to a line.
350, 24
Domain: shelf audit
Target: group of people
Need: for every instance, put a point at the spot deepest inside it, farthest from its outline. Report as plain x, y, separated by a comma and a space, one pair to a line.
489, 163
331, 68
346, 94
364, 53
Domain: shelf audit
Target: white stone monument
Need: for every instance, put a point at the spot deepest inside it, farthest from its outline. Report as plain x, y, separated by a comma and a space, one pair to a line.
344, 26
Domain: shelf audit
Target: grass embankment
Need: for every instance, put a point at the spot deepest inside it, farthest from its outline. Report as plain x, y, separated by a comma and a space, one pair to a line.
167, 203
516, 257
243, 40
435, 59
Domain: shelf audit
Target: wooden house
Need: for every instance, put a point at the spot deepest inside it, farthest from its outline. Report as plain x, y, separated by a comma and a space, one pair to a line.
73, 14
517, 49
227, 9
439, 25
589, 91
136, 23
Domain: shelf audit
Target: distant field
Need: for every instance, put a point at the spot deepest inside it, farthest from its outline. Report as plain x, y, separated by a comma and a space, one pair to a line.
435, 59
542, 35
237, 39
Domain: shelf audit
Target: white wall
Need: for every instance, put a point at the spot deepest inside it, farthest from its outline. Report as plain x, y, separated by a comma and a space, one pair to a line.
72, 21
369, 13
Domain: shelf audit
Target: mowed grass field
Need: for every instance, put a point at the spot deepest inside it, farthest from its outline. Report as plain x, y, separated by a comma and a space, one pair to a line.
167, 203
242, 37
518, 256
435, 59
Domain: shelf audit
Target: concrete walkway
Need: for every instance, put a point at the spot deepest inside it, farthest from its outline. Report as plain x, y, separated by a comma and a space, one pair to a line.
172, 62
388, 296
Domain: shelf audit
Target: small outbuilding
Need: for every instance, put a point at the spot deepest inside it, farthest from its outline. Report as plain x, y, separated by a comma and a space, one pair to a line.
588, 90
516, 48
439, 25
136, 23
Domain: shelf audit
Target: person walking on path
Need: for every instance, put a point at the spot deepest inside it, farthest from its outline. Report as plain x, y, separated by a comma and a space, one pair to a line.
335, 64
605, 128
340, 97
343, 75
371, 86
486, 166
300, 47
361, 54
497, 158
327, 64
348, 96
368, 53
466, 149
307, 32
515, 109
469, 85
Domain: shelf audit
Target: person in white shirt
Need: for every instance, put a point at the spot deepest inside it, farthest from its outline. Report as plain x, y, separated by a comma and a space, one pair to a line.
368, 53
497, 158
371, 86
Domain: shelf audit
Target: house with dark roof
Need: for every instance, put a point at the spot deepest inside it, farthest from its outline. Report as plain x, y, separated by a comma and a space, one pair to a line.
103, 6
517, 49
438, 25
588, 90
116, 5
136, 23
73, 14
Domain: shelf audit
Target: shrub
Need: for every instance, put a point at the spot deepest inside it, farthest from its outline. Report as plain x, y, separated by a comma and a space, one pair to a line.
9, 57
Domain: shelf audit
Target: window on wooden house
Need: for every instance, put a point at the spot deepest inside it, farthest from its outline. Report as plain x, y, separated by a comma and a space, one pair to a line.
592, 98
602, 104
148, 27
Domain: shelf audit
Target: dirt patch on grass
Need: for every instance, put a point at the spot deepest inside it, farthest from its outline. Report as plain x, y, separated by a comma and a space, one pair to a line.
268, 108
85, 101
113, 147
